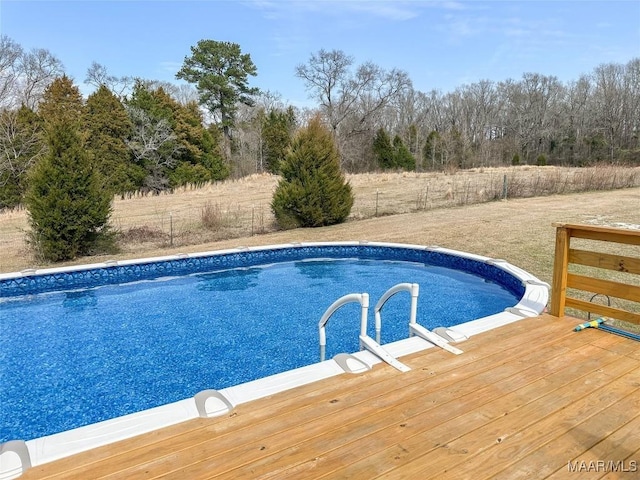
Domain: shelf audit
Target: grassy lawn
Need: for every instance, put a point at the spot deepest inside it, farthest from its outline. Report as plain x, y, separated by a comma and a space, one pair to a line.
517, 230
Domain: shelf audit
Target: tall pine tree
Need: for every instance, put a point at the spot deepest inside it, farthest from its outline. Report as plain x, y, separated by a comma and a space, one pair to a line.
313, 191
220, 73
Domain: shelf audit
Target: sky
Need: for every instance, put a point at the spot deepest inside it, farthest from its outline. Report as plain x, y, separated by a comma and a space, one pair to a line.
440, 44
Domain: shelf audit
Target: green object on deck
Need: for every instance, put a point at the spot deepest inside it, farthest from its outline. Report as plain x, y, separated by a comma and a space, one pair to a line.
592, 323
600, 323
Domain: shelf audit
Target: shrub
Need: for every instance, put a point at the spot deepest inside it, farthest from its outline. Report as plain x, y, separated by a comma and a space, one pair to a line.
515, 160
541, 161
212, 216
313, 191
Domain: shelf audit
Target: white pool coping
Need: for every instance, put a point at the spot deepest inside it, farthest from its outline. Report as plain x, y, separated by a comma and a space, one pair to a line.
17, 456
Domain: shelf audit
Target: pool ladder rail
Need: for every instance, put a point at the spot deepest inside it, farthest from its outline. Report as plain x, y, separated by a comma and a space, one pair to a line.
368, 343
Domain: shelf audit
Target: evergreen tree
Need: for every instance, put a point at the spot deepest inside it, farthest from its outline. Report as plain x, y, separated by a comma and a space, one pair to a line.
68, 208
153, 144
392, 155
402, 157
184, 150
108, 128
433, 151
213, 158
313, 191
220, 70
277, 131
200, 155
62, 102
383, 150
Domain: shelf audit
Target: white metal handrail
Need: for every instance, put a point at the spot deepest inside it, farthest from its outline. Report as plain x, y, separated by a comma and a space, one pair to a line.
361, 298
414, 328
412, 288
366, 342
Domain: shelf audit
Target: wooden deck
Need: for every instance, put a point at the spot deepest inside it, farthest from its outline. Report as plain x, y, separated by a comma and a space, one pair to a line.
523, 401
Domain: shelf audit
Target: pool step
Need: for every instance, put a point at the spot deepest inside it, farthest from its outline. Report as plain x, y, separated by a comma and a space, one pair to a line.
374, 347
434, 338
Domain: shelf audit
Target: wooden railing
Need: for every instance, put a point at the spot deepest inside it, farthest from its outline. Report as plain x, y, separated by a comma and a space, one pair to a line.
563, 279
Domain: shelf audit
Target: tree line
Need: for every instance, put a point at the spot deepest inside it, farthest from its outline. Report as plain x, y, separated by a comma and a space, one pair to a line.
139, 135
536, 119
152, 136
64, 156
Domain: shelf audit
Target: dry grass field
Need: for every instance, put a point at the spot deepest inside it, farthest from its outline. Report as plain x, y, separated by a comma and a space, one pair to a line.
450, 210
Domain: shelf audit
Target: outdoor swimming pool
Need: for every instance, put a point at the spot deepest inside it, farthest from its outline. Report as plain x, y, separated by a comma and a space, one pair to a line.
80, 346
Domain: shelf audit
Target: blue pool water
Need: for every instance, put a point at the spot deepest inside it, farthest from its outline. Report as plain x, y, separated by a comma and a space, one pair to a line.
71, 358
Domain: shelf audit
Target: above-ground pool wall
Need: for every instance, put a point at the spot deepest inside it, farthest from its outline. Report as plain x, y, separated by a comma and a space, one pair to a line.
32, 281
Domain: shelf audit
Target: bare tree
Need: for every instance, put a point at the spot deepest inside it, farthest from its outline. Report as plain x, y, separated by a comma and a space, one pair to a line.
616, 105
532, 104
480, 123
154, 146
342, 92
574, 120
269, 100
21, 145
97, 76
184, 94
379, 88
352, 101
609, 103
24, 76
36, 70
10, 52
329, 82
632, 104
247, 141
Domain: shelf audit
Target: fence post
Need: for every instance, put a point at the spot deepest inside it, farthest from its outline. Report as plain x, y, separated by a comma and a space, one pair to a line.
560, 264
504, 187
170, 229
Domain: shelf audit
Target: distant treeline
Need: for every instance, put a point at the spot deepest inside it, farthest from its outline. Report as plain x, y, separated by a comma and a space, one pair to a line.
150, 136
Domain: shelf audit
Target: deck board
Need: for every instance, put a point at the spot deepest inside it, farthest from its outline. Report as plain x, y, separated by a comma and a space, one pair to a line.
521, 401
576, 442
